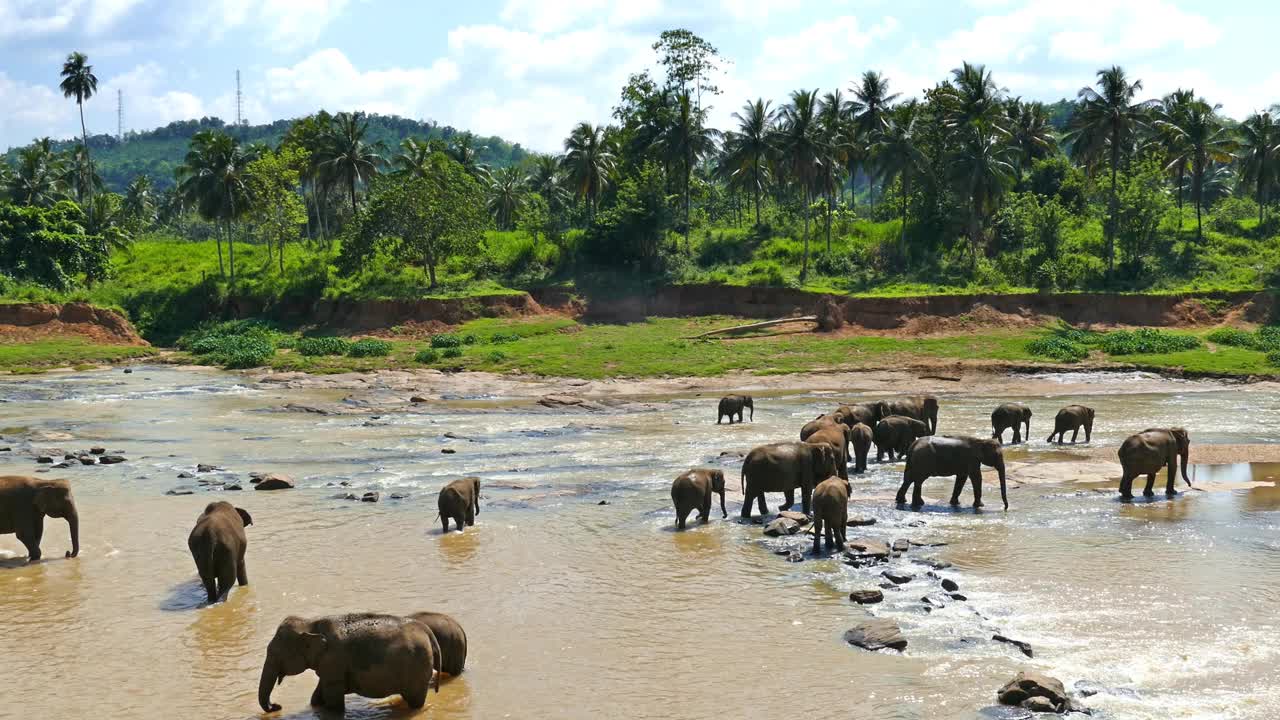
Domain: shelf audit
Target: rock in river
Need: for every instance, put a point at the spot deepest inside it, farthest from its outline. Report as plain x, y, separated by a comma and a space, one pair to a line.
87, 459
274, 481
897, 577
782, 526
111, 459
866, 597
1022, 645
860, 521
1030, 684
204, 468
44, 460
864, 553
185, 490
876, 634
98, 450
799, 517
950, 585
371, 497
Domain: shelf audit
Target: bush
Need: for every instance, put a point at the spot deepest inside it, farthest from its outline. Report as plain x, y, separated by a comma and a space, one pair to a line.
496, 356
1234, 337
369, 347
445, 340
427, 356
501, 337
452, 352
322, 346
833, 264
1273, 358
1144, 341
234, 351
768, 274
469, 339
1267, 338
1058, 348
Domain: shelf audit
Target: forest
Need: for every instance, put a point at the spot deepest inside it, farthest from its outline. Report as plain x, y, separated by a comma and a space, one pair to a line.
859, 189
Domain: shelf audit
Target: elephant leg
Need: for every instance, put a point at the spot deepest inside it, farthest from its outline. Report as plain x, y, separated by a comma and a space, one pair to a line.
415, 698
959, 486
764, 509
210, 588
817, 536
1074, 434
1126, 485
242, 575
31, 541
842, 534
469, 516
790, 496
226, 578
333, 694
917, 499
1151, 484
445, 520
806, 500
317, 698
976, 479
1017, 434
1173, 471
901, 497
705, 514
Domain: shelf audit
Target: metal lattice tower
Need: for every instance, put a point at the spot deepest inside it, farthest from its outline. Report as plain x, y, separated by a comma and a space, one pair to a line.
120, 115
239, 102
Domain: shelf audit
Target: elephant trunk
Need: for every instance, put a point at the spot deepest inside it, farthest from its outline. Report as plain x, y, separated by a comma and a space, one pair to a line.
723, 513
73, 524
1186, 455
271, 676
1004, 497
751, 404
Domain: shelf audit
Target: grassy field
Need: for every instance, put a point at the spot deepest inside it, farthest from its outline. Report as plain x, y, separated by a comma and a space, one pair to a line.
34, 357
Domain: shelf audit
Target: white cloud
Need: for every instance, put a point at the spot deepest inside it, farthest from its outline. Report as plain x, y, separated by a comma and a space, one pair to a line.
25, 18
517, 52
327, 79
31, 110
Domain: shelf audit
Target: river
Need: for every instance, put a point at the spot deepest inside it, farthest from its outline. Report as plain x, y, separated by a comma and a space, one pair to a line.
579, 599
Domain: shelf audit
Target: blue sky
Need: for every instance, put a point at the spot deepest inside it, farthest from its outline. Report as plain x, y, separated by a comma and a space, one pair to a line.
530, 69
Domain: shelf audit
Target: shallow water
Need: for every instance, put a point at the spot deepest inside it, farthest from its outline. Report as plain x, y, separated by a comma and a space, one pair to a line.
581, 610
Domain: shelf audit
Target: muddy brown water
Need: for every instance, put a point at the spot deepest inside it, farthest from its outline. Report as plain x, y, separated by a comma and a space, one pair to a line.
581, 610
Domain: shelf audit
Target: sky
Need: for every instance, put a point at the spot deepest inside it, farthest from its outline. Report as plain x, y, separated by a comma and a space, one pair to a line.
528, 70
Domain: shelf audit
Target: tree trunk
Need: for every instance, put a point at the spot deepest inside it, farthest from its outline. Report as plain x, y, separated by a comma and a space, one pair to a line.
804, 267
757, 191
688, 172
231, 257
87, 171
430, 262
1182, 176
217, 237
829, 200
902, 232
1111, 212
353, 197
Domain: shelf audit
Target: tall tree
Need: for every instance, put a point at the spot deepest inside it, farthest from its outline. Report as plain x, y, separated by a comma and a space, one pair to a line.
899, 156
503, 196
686, 141
214, 179
801, 152
277, 213
588, 162
346, 156
689, 61
1107, 122
413, 156
981, 171
139, 202
973, 100
1259, 157
749, 149
1170, 113
78, 81
1202, 142
1031, 134
38, 179
870, 107
833, 117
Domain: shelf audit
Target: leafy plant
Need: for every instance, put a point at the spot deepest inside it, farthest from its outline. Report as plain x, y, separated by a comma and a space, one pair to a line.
1234, 337
427, 356
452, 352
322, 346
1146, 341
499, 338
445, 340
1058, 348
369, 347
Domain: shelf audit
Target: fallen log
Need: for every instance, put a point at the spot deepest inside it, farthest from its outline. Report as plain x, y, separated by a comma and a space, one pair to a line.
754, 326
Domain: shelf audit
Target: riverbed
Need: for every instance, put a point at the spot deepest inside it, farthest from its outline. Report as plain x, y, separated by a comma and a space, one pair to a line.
579, 599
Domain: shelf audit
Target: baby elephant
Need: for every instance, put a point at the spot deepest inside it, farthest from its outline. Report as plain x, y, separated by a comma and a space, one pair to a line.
1011, 415
894, 434
860, 436
451, 641
692, 490
732, 405
1072, 417
830, 513
368, 654
217, 544
460, 501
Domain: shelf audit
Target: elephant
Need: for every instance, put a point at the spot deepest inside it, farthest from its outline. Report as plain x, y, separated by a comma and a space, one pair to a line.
818, 423
895, 433
830, 513
217, 544
860, 436
692, 490
459, 501
1072, 417
1150, 451
837, 436
451, 640
782, 467
1010, 415
960, 456
731, 405
866, 413
24, 504
920, 407
368, 654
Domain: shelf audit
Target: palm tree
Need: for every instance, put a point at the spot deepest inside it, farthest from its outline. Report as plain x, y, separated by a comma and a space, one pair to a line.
1107, 123
546, 179
1030, 133
344, 154
139, 205
683, 143
801, 152
213, 178
504, 196
1170, 111
78, 176
413, 157
467, 153
981, 171
1201, 142
38, 179
748, 150
1259, 165
588, 163
972, 99
869, 108
78, 81
108, 219
833, 117
898, 154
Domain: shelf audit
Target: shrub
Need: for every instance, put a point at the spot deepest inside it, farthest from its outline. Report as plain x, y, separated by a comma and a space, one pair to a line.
833, 264
500, 337
469, 339
445, 340
1273, 358
427, 356
1267, 338
369, 347
1232, 336
322, 346
496, 356
1145, 341
234, 351
1077, 335
1058, 348
452, 352
768, 274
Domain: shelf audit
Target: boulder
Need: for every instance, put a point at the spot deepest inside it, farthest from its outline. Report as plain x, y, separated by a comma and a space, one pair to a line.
398, 496
900, 546
569, 401
184, 490
274, 481
111, 459
417, 399
935, 563
87, 459
1039, 704
867, 597
62, 465
876, 634
204, 468
97, 450
455, 436
957, 596
897, 577
1024, 646
950, 585
69, 456
44, 460
370, 497
1029, 684
128, 371
934, 600
782, 526
864, 553
448, 451
799, 517
184, 475
860, 521
917, 523
232, 487
795, 556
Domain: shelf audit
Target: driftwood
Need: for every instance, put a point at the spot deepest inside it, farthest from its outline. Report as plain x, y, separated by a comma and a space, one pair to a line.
754, 326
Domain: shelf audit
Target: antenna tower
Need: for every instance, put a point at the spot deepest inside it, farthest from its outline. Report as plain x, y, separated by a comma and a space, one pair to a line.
239, 102
120, 115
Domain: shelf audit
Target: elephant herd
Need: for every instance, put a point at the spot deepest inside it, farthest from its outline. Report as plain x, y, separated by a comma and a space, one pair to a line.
901, 428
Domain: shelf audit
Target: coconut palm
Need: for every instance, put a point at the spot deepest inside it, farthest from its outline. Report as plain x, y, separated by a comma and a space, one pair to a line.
1107, 123
833, 117
139, 205
1170, 111
108, 219
1201, 141
503, 196
972, 99
1030, 133
465, 150
683, 144
413, 157
749, 148
801, 152
38, 178
78, 176
588, 163
1259, 157
981, 171
213, 179
869, 108
345, 157
546, 178
898, 154
78, 81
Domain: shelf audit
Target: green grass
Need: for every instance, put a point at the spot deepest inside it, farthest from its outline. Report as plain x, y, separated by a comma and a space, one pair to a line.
63, 352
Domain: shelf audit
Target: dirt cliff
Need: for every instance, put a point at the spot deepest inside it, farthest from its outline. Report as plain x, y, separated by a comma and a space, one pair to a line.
25, 322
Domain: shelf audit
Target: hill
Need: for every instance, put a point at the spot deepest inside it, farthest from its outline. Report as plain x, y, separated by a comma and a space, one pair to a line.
157, 153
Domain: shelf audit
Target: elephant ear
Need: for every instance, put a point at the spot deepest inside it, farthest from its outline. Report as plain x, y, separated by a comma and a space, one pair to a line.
245, 517
717, 481
313, 646
50, 499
